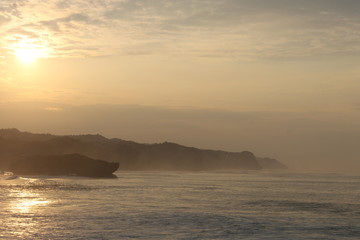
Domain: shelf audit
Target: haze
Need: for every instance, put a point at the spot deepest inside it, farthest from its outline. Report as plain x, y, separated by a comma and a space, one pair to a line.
279, 78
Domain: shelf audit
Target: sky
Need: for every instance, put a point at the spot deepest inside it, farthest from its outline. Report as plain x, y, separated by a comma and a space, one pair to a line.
280, 78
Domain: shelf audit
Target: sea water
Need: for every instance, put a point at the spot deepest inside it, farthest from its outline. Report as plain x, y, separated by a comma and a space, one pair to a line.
182, 205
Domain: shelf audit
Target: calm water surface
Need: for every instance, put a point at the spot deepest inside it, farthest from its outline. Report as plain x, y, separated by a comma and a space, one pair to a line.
178, 205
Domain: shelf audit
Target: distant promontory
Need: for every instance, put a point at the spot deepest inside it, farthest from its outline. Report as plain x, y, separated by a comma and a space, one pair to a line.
16, 145
63, 165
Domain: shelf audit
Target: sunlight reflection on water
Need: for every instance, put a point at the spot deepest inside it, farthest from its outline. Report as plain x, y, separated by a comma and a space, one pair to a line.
26, 202
24, 206
172, 205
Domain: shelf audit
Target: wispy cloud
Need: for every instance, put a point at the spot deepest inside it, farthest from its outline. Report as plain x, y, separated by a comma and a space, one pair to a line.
54, 109
240, 29
12, 91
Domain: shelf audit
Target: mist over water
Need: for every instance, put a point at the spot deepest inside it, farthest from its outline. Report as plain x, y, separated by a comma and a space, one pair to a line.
310, 141
182, 205
180, 85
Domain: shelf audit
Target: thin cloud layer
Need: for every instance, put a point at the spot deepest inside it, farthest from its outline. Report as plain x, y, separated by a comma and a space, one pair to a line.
241, 29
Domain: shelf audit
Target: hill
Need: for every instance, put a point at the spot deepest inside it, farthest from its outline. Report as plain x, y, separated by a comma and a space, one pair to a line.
16, 145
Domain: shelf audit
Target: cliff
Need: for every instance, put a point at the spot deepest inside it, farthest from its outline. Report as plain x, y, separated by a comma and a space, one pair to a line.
271, 164
60, 165
15, 145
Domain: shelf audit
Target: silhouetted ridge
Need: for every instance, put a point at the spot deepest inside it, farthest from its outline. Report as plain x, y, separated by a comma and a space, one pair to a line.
270, 163
14, 133
68, 164
90, 138
15, 145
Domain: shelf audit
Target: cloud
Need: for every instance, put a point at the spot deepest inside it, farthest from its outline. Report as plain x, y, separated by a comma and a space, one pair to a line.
11, 8
15, 91
74, 17
235, 29
4, 19
54, 109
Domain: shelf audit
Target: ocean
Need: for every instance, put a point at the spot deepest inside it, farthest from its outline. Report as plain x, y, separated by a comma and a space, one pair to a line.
182, 205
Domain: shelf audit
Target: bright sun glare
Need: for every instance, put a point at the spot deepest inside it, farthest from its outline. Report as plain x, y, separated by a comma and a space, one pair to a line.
28, 52
28, 55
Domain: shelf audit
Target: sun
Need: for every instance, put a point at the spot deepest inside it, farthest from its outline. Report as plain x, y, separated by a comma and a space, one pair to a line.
29, 50
28, 55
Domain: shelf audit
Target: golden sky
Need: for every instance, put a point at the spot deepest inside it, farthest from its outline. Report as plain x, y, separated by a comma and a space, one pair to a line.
286, 57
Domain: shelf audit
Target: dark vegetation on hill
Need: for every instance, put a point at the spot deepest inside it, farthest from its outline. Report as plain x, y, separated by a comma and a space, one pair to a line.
61, 165
16, 145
